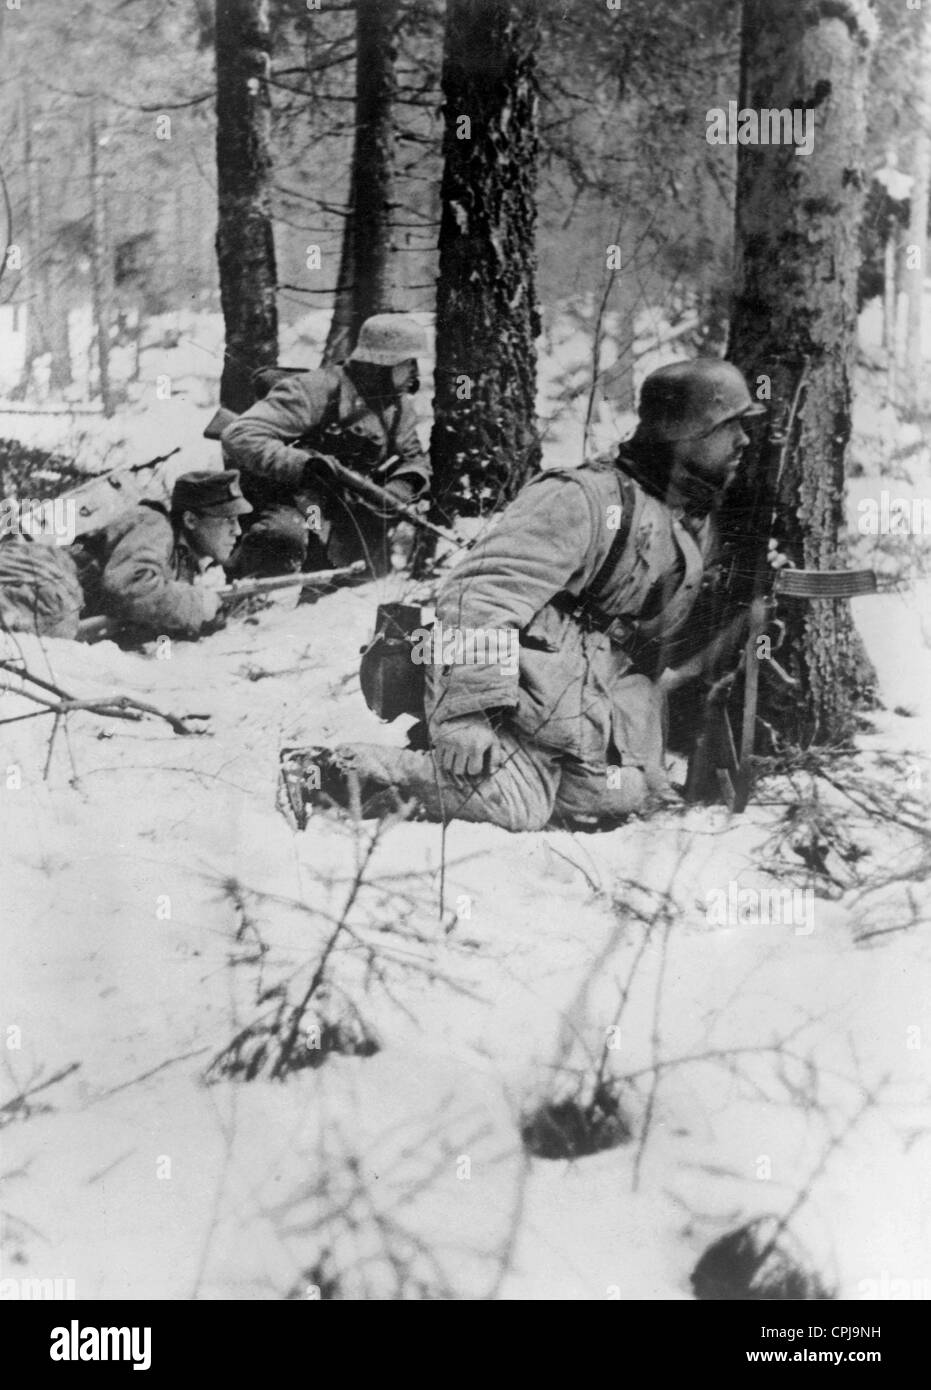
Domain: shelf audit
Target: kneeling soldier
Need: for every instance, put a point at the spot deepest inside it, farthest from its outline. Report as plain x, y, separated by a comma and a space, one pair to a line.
596, 571
356, 413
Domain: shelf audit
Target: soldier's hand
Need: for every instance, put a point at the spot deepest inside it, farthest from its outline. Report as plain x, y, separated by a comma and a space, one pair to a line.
213, 577
208, 583
777, 559
468, 746
401, 490
211, 600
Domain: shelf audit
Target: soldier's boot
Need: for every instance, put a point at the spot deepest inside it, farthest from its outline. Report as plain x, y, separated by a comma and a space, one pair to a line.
328, 779
372, 779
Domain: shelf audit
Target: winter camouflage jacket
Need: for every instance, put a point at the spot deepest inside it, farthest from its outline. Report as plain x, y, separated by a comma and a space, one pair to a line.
39, 588
149, 575
575, 687
323, 411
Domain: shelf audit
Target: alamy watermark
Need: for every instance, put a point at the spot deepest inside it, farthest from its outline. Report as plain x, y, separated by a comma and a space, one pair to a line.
441, 645
894, 516
886, 1287
34, 517
36, 1290
768, 126
761, 907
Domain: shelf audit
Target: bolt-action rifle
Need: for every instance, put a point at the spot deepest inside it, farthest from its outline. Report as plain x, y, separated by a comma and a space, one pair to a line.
355, 449
717, 768
95, 629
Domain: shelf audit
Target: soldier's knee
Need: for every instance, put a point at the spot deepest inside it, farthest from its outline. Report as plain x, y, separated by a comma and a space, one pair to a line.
626, 790
522, 797
586, 799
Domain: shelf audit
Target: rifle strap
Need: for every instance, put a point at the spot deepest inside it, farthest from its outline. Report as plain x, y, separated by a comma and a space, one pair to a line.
588, 609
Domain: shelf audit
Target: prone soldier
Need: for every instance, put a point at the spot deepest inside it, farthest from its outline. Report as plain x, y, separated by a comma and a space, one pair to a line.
156, 571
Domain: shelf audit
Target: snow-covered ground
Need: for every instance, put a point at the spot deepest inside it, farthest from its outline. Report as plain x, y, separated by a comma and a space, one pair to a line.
155, 906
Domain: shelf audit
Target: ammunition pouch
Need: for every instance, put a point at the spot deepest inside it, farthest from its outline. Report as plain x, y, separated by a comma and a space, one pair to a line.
392, 682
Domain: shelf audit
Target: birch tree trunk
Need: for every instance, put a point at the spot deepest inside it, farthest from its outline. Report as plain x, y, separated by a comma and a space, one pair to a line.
916, 254
101, 268
485, 442
46, 314
797, 258
245, 240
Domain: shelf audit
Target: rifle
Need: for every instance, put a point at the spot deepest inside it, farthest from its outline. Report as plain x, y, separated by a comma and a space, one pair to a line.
96, 628
102, 497
365, 488
355, 481
715, 762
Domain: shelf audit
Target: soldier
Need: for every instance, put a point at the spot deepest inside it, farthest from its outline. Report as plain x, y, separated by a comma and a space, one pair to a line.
595, 570
356, 413
157, 571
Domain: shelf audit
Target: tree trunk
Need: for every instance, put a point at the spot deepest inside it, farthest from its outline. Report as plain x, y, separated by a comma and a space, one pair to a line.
59, 338
917, 249
245, 241
36, 308
46, 322
365, 285
485, 441
797, 258
101, 269
890, 335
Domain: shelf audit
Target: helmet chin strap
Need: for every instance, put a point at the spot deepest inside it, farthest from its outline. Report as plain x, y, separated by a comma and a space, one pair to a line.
649, 462
698, 495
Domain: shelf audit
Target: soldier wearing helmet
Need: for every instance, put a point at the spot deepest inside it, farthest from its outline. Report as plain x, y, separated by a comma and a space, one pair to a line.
358, 413
595, 571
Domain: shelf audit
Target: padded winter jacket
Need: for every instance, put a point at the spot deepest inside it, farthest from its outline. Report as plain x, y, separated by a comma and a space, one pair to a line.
575, 688
149, 573
39, 588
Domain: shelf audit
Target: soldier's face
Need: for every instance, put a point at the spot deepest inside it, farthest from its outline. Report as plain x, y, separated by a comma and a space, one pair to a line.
716, 456
404, 378
215, 536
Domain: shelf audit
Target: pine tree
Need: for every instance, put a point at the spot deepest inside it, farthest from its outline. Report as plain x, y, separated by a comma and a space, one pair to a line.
365, 270
797, 260
485, 441
245, 241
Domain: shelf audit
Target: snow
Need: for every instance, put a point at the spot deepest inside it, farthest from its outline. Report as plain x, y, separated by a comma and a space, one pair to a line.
152, 893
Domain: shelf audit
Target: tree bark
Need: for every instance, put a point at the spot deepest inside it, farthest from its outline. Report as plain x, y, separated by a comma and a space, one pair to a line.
101, 269
485, 441
917, 252
46, 316
797, 258
365, 285
245, 240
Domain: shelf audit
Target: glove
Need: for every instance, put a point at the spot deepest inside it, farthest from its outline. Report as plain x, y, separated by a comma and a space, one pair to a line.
213, 577
208, 583
317, 469
211, 603
777, 559
468, 746
401, 490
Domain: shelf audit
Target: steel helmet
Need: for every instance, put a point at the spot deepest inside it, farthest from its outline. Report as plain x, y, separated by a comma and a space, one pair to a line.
689, 399
388, 339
